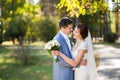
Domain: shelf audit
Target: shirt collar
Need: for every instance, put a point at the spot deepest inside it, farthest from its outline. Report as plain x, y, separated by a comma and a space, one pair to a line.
64, 35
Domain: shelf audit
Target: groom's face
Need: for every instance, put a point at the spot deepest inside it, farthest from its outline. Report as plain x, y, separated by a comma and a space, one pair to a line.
68, 29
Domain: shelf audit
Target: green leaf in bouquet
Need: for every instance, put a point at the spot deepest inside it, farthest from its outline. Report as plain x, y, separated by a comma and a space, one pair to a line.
55, 48
56, 60
49, 51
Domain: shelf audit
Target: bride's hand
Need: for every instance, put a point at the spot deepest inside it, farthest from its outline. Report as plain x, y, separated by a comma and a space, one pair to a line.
55, 52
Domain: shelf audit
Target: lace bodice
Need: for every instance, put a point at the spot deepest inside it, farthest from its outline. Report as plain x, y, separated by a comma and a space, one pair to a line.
82, 45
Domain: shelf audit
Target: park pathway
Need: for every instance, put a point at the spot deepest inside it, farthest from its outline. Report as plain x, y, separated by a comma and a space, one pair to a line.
109, 68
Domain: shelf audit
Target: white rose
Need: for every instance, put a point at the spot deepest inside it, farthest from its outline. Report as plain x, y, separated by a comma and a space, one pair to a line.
56, 43
52, 43
55, 57
47, 46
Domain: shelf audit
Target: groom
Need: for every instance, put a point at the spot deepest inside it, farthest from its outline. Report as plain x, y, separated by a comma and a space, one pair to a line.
62, 70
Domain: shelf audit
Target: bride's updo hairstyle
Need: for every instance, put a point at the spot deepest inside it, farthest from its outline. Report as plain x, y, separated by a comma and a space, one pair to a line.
83, 29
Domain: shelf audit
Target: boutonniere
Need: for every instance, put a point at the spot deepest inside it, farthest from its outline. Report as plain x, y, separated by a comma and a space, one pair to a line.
72, 41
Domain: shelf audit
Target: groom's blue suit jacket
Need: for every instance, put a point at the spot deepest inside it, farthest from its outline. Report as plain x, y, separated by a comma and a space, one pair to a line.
62, 70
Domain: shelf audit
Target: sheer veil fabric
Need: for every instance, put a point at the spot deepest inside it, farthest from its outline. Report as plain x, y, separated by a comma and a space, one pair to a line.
90, 59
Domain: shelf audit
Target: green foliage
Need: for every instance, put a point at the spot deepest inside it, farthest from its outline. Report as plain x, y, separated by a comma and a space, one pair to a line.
40, 67
23, 23
22, 54
93, 29
31, 14
113, 0
17, 27
1, 39
1, 32
9, 7
94, 22
20, 20
110, 37
82, 7
47, 29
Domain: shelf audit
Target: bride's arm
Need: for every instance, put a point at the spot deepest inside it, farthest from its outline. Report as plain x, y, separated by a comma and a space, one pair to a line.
72, 62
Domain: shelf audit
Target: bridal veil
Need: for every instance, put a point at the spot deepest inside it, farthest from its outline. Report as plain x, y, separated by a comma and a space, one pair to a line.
91, 59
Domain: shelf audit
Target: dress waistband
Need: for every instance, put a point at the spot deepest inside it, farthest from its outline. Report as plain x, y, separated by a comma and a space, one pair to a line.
80, 67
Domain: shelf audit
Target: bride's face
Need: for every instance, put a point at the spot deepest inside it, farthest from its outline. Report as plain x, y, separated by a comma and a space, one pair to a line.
76, 33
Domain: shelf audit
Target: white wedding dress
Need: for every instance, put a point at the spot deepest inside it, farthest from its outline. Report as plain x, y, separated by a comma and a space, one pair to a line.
88, 72
81, 72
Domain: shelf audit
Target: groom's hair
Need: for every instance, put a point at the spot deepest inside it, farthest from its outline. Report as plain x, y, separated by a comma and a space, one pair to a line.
64, 22
83, 29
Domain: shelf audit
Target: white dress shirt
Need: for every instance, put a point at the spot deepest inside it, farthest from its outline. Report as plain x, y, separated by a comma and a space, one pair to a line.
67, 40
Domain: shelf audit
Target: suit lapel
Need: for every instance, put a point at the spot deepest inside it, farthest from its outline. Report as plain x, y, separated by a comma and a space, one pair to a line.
64, 41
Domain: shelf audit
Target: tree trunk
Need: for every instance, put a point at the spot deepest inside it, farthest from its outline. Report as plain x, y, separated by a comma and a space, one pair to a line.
117, 22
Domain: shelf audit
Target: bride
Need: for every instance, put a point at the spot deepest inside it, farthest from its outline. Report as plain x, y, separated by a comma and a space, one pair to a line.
83, 61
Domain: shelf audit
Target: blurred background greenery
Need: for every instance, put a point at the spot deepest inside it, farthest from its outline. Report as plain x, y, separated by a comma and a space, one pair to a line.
26, 25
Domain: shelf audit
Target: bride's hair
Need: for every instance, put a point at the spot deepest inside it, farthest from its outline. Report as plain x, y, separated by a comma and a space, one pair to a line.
83, 29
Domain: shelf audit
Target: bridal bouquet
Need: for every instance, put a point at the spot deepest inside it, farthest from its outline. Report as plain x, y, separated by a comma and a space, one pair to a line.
52, 45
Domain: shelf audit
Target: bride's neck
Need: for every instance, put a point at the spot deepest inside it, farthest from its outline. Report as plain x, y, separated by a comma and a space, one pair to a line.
79, 40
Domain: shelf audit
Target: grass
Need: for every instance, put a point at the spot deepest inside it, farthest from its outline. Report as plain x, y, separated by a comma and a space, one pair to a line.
39, 64
26, 73
39, 67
